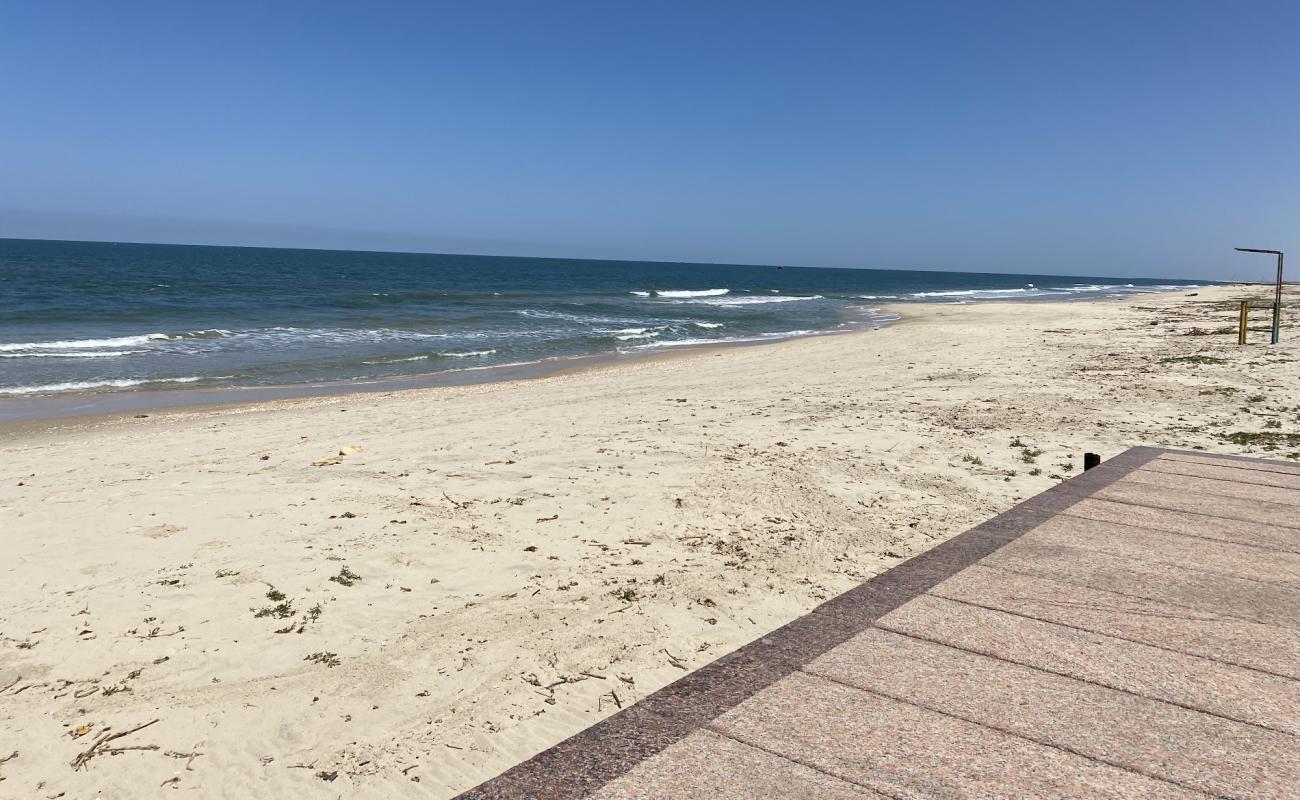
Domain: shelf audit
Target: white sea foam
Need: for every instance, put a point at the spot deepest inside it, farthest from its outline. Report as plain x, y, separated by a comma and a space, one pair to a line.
78, 354
536, 313
748, 300
85, 344
343, 334
708, 324
469, 354
77, 346
761, 337
877, 297
687, 343
72, 386
977, 293
788, 334
396, 360
208, 333
678, 293
1090, 287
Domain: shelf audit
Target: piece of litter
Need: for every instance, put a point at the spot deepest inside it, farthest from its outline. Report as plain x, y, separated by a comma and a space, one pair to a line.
338, 458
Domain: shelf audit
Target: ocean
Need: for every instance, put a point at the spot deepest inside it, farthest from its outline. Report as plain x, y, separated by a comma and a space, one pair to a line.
90, 318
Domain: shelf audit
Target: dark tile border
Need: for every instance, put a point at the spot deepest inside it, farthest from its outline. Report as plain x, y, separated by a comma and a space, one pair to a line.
588, 760
1257, 463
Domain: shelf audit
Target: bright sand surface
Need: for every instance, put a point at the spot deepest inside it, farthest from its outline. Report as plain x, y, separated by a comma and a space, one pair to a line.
529, 555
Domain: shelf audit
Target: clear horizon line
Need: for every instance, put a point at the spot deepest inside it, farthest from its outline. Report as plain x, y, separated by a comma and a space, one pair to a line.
597, 260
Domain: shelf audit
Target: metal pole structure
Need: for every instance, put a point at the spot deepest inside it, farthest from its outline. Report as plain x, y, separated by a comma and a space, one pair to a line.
1277, 301
1277, 297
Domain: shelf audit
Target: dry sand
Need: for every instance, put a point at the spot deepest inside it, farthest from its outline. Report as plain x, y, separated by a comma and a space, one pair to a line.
530, 555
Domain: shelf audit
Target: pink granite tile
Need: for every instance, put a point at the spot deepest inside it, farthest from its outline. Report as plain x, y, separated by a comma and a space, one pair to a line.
1269, 566
905, 751
1238, 472
499, 788
1240, 462
1211, 488
1185, 499
588, 760
1234, 692
699, 696
847, 614
1211, 592
1161, 519
1153, 738
710, 765
1186, 747
1202, 633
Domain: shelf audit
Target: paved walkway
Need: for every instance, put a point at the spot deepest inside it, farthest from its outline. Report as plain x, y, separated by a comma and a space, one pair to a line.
1132, 632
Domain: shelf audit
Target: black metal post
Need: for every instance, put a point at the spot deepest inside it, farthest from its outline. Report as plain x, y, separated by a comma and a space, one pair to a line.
1277, 301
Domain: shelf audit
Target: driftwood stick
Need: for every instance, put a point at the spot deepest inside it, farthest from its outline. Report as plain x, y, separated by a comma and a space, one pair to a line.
189, 757
99, 745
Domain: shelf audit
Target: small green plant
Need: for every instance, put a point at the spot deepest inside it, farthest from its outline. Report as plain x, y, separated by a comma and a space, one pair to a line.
1036, 471
1269, 440
1193, 360
1272, 423
627, 594
970, 459
1226, 391
1256, 398
275, 595
1016, 442
328, 659
279, 611
1030, 455
300, 626
346, 577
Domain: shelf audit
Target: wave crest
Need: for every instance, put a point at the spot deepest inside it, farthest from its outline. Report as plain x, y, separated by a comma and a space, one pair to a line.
680, 293
750, 300
73, 386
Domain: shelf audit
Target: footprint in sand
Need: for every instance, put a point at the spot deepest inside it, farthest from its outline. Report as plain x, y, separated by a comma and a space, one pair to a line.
158, 531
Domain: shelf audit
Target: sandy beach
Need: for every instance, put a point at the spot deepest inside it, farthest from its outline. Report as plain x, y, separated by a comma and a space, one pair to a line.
403, 594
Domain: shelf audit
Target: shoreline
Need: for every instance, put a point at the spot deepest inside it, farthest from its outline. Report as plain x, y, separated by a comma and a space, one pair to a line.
440, 583
17, 414
126, 405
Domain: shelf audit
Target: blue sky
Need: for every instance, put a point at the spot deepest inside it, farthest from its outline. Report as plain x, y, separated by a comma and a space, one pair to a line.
1128, 138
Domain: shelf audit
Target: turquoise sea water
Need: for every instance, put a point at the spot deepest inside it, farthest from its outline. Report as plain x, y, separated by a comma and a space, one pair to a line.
82, 317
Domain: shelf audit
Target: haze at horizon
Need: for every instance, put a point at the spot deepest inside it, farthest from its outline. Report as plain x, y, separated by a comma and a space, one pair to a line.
1117, 139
